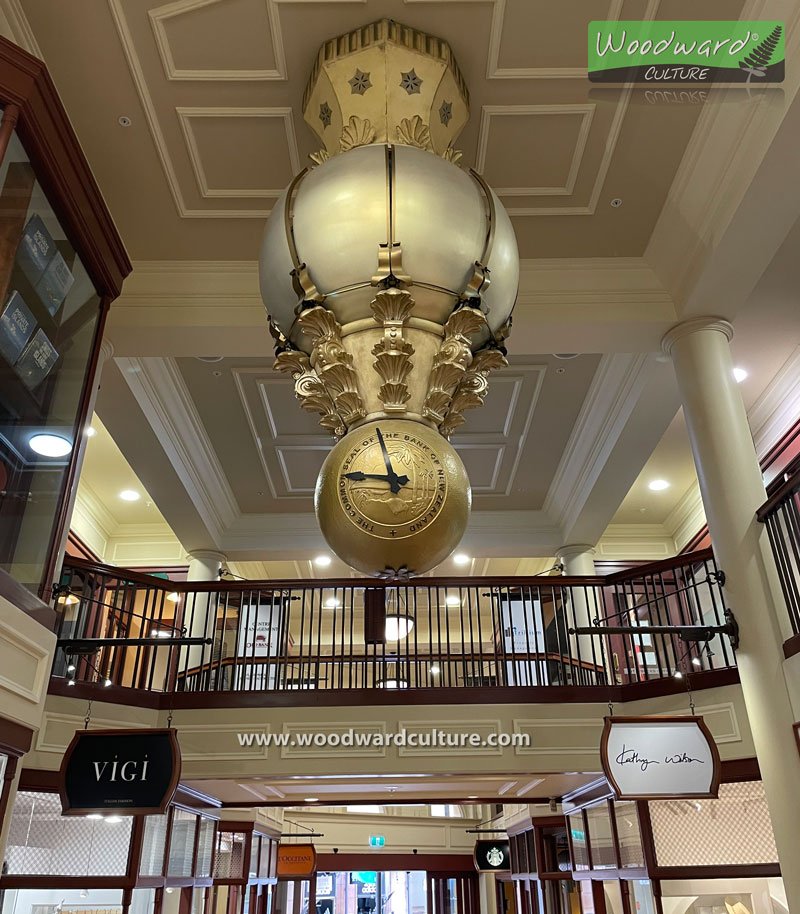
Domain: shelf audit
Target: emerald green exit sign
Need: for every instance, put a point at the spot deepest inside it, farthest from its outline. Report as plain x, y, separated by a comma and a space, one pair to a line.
377, 841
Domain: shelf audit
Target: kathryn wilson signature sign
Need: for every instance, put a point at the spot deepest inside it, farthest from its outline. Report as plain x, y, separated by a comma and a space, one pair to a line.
128, 772
648, 758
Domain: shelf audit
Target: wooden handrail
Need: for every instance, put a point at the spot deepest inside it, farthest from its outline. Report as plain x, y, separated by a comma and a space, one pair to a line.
546, 583
355, 659
788, 489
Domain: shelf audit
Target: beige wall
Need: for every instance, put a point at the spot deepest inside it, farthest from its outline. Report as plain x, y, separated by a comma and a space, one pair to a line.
564, 737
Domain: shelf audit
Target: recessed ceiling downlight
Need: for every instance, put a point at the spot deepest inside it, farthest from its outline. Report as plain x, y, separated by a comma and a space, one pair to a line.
129, 495
50, 445
658, 485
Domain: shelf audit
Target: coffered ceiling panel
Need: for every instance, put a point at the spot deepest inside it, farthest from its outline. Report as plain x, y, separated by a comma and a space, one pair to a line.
209, 39
270, 450
213, 89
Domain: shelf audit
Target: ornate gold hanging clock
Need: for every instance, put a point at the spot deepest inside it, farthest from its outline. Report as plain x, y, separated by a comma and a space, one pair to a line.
389, 273
392, 480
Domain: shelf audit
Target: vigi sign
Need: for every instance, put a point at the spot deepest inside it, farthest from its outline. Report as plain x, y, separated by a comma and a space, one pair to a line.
686, 51
651, 758
127, 772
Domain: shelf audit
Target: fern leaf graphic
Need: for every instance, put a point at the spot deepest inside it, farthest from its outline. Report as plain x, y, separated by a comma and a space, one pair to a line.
760, 56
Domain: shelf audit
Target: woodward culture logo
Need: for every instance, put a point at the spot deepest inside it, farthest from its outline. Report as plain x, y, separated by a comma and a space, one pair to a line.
432, 738
686, 52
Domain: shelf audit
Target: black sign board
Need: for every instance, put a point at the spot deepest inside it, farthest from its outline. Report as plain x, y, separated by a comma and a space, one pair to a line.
129, 772
492, 856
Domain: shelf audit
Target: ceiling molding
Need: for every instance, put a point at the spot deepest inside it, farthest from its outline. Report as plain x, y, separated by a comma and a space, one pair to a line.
162, 14
162, 395
185, 116
489, 111
636, 541
723, 156
616, 387
778, 407
687, 517
17, 28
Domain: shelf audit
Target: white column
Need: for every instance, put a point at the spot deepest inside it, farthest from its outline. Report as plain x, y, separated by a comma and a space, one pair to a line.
578, 561
732, 490
199, 610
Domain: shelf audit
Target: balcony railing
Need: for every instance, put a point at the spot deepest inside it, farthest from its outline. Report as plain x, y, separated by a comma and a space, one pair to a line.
781, 515
281, 636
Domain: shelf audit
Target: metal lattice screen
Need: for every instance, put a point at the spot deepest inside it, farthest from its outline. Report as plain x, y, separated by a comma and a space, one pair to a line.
42, 842
735, 828
153, 845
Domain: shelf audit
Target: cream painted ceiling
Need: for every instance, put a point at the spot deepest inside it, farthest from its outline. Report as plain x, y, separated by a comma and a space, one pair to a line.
272, 451
392, 789
213, 91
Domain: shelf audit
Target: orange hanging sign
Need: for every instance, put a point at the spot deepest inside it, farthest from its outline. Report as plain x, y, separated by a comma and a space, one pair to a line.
297, 860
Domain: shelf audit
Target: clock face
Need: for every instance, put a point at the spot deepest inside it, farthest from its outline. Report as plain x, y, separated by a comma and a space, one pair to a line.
392, 484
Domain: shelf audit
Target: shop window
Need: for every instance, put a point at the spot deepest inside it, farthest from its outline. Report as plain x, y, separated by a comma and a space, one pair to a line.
733, 829
42, 842
577, 834
48, 317
229, 861
64, 901
181, 843
143, 901
601, 839
205, 848
153, 846
629, 834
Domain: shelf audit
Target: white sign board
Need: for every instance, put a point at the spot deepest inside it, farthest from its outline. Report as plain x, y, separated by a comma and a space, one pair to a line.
258, 642
648, 758
523, 640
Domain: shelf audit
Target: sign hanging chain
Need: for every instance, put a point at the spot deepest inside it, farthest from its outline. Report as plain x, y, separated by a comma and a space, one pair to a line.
88, 715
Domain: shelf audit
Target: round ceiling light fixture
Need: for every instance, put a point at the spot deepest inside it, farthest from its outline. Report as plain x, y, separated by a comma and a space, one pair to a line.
658, 485
47, 445
740, 374
322, 561
398, 626
461, 558
129, 495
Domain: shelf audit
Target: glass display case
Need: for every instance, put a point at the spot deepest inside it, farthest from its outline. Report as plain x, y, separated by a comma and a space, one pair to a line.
61, 265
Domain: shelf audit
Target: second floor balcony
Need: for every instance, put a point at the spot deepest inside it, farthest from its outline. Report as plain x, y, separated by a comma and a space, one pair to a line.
365, 641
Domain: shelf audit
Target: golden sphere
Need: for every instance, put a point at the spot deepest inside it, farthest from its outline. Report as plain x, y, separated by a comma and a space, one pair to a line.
393, 496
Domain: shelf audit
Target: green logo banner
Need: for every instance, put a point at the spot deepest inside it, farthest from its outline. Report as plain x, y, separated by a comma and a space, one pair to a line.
686, 51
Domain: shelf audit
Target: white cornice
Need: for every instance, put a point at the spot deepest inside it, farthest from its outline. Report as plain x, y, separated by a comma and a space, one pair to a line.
687, 517
16, 27
615, 389
94, 511
166, 403
778, 407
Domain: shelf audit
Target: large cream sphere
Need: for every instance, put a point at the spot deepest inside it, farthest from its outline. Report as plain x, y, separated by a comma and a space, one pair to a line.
340, 217
375, 529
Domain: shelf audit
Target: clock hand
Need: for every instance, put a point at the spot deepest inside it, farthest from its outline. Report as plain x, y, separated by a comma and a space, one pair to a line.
358, 476
394, 480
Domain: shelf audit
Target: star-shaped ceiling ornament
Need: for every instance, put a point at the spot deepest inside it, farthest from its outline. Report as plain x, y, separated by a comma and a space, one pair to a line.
410, 82
325, 114
359, 82
446, 112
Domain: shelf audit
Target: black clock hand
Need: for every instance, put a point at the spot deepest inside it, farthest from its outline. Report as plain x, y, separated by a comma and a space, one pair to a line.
394, 480
358, 476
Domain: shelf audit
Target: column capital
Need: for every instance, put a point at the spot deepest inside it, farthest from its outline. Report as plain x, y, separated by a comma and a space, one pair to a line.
106, 350
564, 552
207, 555
695, 325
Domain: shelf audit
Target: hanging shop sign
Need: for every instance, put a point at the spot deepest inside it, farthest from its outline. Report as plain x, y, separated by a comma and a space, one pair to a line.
492, 856
651, 758
297, 860
125, 772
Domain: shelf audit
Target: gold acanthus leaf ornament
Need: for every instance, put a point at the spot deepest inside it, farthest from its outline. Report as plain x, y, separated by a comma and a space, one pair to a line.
320, 156
358, 132
414, 132
452, 155
391, 308
472, 388
310, 390
331, 361
451, 361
